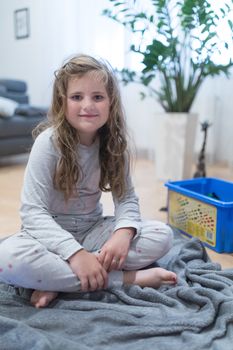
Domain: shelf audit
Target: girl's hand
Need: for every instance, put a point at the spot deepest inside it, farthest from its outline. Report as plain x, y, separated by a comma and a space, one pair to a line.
88, 269
114, 252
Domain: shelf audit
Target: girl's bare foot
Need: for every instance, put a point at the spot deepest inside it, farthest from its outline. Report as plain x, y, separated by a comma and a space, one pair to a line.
40, 298
154, 277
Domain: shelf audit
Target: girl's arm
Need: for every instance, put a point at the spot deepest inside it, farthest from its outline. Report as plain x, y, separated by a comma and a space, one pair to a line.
127, 211
127, 215
38, 194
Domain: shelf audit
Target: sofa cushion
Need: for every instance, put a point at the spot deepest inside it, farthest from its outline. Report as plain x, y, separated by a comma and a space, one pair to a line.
14, 89
7, 107
18, 126
2, 89
14, 85
16, 96
28, 110
16, 145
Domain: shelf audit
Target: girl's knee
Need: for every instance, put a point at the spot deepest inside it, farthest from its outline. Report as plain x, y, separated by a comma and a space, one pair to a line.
168, 236
13, 255
168, 239
155, 230
7, 262
157, 237
152, 243
5, 251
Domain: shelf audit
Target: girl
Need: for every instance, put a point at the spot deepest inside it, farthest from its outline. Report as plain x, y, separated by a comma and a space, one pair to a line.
65, 243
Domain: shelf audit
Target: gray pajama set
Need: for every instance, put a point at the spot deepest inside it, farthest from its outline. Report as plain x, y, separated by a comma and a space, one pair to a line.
54, 229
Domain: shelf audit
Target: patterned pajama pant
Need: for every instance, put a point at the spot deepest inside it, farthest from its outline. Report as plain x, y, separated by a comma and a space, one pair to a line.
25, 262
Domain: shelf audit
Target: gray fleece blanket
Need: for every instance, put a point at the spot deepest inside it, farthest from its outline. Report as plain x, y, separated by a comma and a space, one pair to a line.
196, 314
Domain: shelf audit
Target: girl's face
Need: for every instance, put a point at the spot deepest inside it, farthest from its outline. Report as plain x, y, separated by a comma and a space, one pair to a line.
87, 106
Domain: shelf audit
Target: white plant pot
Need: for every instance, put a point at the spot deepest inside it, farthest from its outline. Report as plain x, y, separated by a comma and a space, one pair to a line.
174, 145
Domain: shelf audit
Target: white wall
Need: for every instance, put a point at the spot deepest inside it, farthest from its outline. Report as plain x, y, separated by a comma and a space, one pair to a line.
60, 28
34, 59
224, 120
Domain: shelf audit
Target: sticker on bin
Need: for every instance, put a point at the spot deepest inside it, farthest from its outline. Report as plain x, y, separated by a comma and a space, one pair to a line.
193, 217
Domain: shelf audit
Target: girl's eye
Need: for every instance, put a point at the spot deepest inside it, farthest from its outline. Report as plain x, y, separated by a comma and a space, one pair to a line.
98, 97
76, 97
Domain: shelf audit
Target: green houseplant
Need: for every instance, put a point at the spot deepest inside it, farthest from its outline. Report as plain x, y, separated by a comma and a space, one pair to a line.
178, 42
182, 50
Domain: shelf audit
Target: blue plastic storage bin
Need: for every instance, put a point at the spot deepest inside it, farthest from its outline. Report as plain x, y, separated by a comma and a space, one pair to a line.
203, 208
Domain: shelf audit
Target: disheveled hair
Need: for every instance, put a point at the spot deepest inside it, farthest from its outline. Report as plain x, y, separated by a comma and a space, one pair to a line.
113, 152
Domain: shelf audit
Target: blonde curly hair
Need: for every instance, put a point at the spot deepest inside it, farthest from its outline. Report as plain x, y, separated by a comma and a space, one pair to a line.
113, 151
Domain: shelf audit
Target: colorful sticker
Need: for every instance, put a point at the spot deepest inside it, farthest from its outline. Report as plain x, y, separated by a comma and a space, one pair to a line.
193, 217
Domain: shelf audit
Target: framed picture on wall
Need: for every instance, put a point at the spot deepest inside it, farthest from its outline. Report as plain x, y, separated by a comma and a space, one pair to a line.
21, 18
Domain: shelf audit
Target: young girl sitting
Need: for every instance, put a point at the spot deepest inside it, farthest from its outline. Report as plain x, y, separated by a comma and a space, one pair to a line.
65, 243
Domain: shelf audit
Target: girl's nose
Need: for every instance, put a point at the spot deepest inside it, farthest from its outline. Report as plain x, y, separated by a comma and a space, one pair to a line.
87, 103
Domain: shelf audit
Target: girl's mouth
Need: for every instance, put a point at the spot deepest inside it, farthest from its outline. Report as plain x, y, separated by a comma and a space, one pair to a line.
88, 115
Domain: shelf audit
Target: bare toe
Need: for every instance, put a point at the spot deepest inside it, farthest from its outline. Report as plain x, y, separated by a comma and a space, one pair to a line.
167, 277
42, 298
154, 277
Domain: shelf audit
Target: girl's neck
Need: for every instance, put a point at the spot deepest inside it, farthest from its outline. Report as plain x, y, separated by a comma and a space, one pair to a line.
87, 140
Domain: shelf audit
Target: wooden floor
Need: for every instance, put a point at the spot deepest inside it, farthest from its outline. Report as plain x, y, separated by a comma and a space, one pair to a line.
152, 196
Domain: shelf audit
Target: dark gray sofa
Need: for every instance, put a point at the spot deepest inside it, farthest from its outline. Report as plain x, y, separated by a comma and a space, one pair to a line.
15, 130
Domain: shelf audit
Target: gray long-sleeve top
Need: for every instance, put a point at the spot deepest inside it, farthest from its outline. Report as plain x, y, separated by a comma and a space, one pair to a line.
41, 202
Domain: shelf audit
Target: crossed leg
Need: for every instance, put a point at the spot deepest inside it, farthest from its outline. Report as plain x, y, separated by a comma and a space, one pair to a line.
154, 277
24, 262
